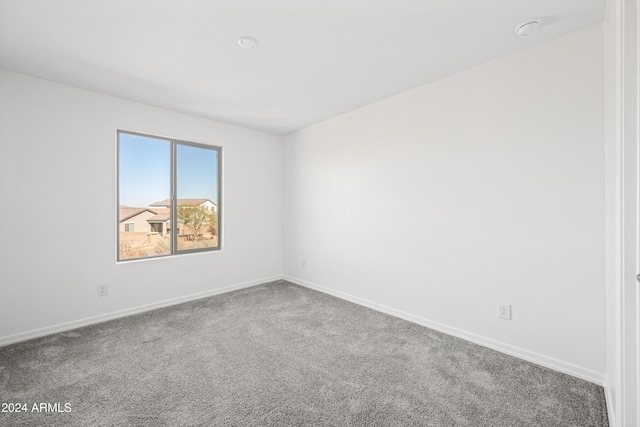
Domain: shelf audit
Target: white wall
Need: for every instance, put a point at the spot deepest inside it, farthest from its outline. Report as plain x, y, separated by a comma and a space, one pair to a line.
484, 187
58, 215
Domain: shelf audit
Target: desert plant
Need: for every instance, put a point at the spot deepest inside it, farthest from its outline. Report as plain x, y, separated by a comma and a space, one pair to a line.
194, 218
128, 250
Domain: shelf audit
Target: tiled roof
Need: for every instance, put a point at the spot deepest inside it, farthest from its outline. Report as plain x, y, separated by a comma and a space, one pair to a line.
127, 212
182, 202
161, 215
165, 202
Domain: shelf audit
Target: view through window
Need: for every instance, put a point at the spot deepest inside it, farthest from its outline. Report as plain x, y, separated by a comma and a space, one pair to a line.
168, 196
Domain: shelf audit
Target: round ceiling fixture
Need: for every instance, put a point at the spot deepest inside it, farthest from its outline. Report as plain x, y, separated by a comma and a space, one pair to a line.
527, 28
247, 42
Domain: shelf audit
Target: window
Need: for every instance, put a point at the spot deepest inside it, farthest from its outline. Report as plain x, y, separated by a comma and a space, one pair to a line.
168, 196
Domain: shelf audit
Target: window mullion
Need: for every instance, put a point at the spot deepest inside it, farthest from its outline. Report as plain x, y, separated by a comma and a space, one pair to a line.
174, 207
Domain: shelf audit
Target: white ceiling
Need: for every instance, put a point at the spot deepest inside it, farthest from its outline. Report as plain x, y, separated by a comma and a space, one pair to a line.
315, 58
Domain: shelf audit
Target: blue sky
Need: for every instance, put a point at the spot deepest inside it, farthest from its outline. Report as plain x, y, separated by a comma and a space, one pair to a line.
145, 165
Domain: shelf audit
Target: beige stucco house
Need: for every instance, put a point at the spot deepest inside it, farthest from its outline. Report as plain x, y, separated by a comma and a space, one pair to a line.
135, 219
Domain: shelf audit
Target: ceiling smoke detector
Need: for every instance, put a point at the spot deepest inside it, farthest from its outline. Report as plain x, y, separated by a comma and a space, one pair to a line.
247, 42
527, 28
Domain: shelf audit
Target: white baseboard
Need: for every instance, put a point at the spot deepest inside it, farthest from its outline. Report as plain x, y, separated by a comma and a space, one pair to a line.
62, 327
609, 399
539, 359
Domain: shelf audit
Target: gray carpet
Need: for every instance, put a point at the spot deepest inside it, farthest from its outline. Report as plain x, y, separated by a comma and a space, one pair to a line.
281, 355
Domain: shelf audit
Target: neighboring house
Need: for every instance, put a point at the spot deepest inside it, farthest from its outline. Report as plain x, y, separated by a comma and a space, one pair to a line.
135, 219
156, 218
161, 221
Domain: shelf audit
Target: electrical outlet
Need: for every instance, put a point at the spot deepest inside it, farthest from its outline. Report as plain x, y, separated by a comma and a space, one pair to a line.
103, 290
504, 311
304, 264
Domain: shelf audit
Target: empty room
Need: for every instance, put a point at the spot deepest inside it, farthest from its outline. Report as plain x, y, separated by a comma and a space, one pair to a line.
305, 213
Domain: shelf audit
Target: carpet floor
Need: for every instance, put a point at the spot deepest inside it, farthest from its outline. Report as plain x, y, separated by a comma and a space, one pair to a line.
280, 355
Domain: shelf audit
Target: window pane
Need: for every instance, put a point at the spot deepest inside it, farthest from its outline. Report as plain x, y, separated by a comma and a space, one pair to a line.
144, 188
197, 197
